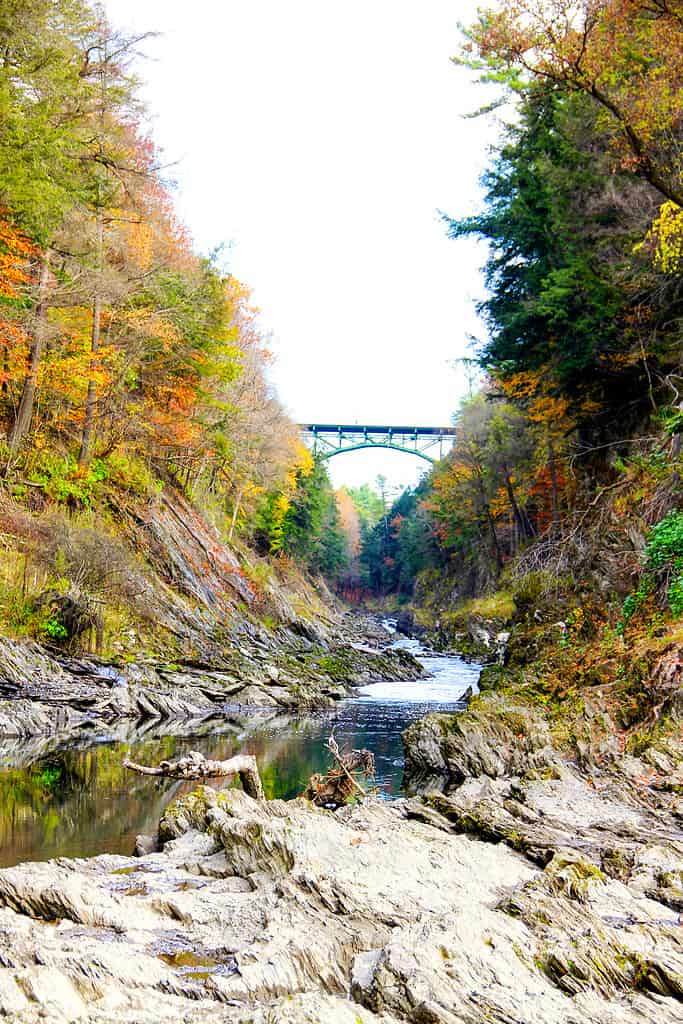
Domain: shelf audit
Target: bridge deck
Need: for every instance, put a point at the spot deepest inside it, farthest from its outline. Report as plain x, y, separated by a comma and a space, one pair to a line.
359, 428
334, 438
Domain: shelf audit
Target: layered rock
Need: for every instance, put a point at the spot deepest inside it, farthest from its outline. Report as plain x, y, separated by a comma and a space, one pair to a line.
494, 738
277, 912
41, 692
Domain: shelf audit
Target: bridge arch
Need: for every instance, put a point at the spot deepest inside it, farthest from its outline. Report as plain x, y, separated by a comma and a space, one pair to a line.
329, 439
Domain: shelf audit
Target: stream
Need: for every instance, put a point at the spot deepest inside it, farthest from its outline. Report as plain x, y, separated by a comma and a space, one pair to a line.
69, 796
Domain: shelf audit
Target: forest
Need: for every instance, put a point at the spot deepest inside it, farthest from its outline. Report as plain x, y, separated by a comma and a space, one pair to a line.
566, 466
128, 361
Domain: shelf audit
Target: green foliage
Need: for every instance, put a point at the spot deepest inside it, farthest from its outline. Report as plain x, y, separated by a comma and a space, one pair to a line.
126, 471
663, 558
369, 504
62, 480
54, 629
65, 482
561, 272
306, 524
664, 549
49, 775
42, 94
399, 546
672, 420
675, 595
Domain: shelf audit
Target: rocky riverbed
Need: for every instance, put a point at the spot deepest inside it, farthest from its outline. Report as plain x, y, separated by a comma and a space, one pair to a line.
517, 888
298, 667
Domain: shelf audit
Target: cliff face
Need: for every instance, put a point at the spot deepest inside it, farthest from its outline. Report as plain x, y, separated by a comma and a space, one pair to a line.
155, 566
182, 623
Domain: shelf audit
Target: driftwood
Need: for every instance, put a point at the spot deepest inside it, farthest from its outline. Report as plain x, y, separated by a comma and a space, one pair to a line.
194, 765
340, 784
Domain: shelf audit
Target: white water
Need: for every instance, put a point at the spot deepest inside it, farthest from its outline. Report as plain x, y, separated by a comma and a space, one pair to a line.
449, 678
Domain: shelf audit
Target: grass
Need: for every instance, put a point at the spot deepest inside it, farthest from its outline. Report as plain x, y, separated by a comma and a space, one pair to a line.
500, 605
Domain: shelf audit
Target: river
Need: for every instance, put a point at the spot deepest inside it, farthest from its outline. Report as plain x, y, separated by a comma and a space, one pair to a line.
69, 796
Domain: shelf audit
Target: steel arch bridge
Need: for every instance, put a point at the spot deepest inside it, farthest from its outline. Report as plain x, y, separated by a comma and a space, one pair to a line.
328, 439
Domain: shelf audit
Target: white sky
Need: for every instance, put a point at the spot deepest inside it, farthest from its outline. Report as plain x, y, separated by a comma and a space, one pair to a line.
320, 138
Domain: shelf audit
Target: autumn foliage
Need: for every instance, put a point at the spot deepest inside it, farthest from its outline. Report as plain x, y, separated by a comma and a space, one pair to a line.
124, 356
580, 415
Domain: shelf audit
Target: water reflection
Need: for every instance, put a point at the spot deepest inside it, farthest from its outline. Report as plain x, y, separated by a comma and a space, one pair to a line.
69, 796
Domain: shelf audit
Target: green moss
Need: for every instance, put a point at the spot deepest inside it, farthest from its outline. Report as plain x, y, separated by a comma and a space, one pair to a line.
337, 666
572, 875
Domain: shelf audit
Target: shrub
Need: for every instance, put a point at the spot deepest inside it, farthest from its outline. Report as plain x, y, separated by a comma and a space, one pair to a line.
64, 481
88, 560
55, 630
533, 587
129, 473
675, 595
664, 557
663, 569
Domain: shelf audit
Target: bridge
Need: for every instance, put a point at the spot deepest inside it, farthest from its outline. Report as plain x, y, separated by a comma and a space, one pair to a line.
328, 439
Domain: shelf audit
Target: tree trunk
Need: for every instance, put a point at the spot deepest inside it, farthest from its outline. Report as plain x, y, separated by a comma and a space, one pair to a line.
91, 399
194, 765
552, 468
677, 439
236, 509
5, 367
491, 525
22, 421
524, 524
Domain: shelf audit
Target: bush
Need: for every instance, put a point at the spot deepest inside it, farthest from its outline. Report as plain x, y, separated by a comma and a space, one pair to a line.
65, 482
128, 473
663, 569
64, 617
675, 596
664, 557
88, 560
533, 587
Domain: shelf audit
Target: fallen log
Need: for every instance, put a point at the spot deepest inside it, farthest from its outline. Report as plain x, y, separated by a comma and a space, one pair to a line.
340, 784
194, 765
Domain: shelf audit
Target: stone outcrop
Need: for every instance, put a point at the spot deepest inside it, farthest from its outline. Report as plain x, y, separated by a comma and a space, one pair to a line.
494, 739
269, 912
604, 830
42, 692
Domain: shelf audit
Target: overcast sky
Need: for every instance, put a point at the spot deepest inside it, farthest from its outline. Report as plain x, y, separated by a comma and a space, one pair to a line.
319, 139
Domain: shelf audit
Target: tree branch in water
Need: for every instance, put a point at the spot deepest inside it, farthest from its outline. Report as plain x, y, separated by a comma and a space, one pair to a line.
339, 785
194, 765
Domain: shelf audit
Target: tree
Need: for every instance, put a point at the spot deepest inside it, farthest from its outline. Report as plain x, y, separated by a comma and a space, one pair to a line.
627, 55
399, 546
40, 91
465, 485
113, 165
571, 300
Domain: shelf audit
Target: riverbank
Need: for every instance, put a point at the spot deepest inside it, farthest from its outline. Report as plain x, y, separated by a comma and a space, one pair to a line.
277, 912
535, 874
515, 885
186, 625
43, 692
66, 793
